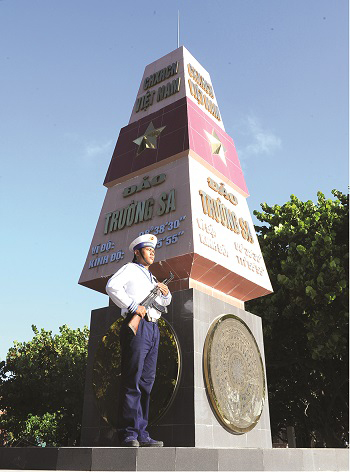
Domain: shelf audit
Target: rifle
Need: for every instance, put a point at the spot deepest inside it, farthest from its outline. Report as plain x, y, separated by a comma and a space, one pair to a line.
149, 302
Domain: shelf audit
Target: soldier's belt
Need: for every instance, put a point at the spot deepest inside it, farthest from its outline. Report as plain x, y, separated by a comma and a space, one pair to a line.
149, 318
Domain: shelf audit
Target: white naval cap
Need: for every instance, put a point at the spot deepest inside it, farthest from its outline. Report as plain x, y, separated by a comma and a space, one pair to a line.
146, 240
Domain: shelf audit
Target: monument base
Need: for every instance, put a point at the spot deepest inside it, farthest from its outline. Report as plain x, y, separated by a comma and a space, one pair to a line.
169, 458
190, 420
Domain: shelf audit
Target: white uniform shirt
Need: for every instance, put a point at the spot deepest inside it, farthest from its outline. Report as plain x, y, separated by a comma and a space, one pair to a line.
130, 285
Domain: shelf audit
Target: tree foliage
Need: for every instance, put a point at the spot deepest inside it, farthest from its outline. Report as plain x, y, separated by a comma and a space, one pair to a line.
42, 388
305, 247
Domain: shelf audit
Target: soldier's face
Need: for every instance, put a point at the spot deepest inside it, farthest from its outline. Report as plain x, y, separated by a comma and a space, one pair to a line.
145, 256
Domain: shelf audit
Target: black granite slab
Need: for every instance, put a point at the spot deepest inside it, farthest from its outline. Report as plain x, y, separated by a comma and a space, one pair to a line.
22, 458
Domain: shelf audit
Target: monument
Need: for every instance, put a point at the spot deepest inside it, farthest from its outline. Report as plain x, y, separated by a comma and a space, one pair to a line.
175, 173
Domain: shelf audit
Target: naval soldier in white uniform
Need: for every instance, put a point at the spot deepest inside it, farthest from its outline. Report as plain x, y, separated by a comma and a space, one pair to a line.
139, 339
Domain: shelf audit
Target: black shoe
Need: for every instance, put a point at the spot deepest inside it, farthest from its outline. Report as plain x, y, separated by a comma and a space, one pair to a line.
149, 442
130, 442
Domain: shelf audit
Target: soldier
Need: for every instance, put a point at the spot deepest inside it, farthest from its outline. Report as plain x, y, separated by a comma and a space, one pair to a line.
139, 340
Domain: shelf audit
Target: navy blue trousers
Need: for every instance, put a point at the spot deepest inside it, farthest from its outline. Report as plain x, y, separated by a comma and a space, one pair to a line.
138, 371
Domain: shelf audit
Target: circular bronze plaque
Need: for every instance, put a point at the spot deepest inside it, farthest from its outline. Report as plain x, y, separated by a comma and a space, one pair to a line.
234, 374
106, 373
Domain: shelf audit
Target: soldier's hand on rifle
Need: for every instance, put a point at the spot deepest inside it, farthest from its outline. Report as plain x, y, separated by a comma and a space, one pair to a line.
141, 311
163, 288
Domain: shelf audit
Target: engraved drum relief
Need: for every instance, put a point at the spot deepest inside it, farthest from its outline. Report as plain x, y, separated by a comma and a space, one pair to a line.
234, 374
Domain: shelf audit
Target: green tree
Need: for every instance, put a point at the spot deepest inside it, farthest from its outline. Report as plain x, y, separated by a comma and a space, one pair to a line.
305, 320
42, 388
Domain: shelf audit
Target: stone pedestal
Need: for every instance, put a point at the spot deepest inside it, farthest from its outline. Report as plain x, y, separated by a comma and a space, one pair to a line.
190, 421
170, 458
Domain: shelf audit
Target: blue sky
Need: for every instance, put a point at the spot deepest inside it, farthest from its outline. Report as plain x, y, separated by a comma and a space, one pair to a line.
70, 71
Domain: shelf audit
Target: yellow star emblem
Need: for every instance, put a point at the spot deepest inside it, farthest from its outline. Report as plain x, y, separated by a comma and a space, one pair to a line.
216, 145
149, 139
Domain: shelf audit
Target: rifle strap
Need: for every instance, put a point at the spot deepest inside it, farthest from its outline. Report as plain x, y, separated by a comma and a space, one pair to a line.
162, 309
